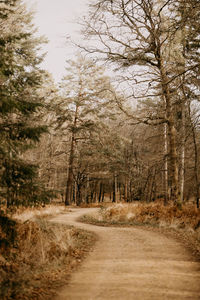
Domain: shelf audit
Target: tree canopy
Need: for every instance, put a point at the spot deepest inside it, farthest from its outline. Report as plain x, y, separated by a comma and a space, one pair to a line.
123, 124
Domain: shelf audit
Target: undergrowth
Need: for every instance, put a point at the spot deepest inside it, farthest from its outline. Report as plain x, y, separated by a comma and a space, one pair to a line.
187, 217
183, 223
23, 213
36, 257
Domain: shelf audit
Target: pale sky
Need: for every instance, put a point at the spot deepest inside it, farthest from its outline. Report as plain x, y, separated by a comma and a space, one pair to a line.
56, 20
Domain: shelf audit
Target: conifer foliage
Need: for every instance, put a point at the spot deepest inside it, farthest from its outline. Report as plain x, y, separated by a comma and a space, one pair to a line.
87, 93
20, 78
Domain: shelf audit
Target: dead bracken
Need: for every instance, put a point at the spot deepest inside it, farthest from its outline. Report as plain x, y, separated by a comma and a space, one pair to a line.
38, 257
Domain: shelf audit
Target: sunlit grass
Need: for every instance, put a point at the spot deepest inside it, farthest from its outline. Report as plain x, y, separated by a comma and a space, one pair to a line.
155, 214
30, 213
187, 216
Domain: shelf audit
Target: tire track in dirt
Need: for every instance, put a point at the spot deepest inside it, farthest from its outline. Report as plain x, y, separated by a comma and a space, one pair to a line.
131, 263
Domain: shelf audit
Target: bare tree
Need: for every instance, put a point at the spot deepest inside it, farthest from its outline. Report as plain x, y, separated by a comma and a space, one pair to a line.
139, 37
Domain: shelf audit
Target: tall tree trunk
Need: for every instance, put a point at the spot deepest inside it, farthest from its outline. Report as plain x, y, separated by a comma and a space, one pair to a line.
100, 192
70, 174
182, 167
183, 109
68, 193
75, 193
79, 194
196, 160
114, 190
120, 192
166, 165
103, 194
172, 137
152, 188
173, 160
87, 190
116, 200
196, 168
125, 190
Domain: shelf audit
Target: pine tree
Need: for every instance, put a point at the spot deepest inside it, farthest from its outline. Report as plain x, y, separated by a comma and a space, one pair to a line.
86, 93
20, 78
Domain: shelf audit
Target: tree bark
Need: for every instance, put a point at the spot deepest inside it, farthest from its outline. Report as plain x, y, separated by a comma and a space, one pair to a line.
125, 190
116, 187
171, 135
70, 175
166, 165
196, 161
68, 192
114, 195
182, 168
100, 191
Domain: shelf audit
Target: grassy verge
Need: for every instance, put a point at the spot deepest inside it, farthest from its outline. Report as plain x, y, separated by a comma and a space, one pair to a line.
181, 224
36, 258
24, 214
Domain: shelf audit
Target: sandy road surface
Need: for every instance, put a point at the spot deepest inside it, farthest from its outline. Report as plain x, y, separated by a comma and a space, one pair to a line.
131, 263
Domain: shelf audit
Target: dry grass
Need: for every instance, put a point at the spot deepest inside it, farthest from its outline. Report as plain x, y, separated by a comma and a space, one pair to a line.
24, 214
39, 258
180, 224
154, 214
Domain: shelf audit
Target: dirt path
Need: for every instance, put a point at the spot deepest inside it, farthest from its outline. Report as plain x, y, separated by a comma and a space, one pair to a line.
131, 263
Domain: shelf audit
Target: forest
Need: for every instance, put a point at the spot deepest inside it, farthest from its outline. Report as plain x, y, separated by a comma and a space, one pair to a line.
115, 144
124, 122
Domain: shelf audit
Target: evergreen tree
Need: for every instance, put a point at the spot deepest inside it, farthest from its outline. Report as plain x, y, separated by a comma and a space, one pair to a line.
20, 78
86, 93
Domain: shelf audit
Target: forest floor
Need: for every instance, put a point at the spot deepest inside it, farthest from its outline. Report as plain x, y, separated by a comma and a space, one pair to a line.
131, 263
38, 256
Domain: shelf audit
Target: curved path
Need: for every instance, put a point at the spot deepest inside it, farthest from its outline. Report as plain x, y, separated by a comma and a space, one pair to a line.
131, 263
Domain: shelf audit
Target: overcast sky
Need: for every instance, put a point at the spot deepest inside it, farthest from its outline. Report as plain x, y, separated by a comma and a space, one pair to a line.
56, 19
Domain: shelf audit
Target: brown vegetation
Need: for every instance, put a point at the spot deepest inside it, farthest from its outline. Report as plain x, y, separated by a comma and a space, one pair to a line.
182, 223
154, 213
36, 257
